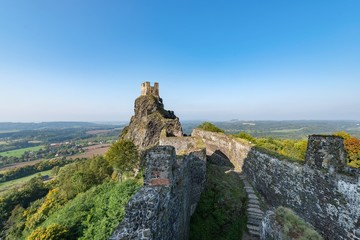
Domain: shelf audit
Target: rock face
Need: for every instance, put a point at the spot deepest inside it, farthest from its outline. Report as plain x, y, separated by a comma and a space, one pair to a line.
172, 187
326, 152
151, 120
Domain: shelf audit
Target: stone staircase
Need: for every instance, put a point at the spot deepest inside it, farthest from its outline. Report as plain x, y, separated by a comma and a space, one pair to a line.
254, 212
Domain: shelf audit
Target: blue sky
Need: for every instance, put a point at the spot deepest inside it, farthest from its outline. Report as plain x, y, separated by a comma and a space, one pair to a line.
215, 60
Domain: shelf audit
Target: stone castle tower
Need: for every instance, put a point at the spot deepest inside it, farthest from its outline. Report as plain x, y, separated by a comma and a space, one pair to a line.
147, 89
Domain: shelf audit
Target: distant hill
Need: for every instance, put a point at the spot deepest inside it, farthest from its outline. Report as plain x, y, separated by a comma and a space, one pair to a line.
15, 126
282, 129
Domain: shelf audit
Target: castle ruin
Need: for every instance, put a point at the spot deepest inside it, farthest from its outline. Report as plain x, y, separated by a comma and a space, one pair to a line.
147, 89
326, 152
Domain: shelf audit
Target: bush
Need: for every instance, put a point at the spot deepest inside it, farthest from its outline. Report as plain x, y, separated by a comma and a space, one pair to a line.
207, 126
294, 227
52, 232
93, 214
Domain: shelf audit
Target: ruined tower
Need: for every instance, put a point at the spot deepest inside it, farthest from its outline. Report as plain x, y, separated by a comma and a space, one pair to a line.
147, 89
326, 152
150, 119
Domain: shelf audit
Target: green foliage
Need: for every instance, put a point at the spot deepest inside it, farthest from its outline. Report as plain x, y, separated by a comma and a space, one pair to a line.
19, 152
80, 176
293, 149
33, 190
52, 232
294, 227
342, 134
220, 213
124, 156
246, 136
352, 147
16, 223
95, 213
19, 183
207, 126
20, 172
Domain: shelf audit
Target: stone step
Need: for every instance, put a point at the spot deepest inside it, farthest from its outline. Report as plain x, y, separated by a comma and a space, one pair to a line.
242, 177
254, 221
252, 196
249, 191
256, 216
251, 205
255, 210
253, 228
254, 201
254, 233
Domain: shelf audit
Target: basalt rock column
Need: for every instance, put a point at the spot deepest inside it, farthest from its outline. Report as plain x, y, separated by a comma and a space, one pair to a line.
150, 119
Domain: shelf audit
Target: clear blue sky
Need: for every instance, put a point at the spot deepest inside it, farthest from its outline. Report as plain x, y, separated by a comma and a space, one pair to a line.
214, 60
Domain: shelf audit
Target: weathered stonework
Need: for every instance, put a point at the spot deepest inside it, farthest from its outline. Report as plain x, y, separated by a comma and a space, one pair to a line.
183, 145
327, 200
150, 120
172, 188
222, 147
270, 229
147, 89
326, 152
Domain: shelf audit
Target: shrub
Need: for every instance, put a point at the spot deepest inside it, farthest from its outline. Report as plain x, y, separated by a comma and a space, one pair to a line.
52, 232
293, 226
207, 126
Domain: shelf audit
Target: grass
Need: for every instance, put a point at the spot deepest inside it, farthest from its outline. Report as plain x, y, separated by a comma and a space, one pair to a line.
18, 183
294, 227
20, 152
220, 213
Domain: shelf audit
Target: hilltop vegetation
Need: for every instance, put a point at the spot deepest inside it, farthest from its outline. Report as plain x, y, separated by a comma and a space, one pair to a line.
220, 213
294, 227
84, 201
207, 126
286, 129
25, 142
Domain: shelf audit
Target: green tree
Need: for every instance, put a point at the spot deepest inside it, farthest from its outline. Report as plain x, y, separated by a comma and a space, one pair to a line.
80, 176
124, 156
208, 126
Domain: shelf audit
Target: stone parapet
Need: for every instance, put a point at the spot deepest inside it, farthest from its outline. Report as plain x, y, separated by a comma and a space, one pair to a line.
162, 208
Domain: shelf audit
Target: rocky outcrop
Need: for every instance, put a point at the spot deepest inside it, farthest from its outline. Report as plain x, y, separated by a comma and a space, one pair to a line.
172, 188
149, 121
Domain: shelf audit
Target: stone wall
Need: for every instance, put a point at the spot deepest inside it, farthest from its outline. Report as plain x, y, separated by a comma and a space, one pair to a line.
221, 146
326, 152
329, 202
172, 188
147, 89
326, 199
183, 145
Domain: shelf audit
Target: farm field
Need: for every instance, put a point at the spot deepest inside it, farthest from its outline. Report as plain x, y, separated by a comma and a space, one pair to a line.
20, 164
18, 183
19, 152
91, 151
